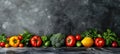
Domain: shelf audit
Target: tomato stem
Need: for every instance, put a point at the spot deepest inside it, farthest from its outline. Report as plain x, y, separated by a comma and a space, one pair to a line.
69, 40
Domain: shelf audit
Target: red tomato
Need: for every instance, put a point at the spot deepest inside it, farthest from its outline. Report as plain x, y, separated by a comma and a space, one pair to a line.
20, 37
78, 37
36, 41
114, 44
99, 42
70, 41
21, 45
2, 44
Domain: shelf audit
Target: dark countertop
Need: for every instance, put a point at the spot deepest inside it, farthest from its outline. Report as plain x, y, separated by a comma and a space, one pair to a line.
63, 50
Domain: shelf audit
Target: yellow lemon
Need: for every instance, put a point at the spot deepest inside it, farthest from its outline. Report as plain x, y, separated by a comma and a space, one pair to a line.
87, 42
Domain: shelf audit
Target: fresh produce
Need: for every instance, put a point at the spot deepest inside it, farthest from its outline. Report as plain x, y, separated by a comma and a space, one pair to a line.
109, 37
21, 45
36, 41
99, 42
14, 41
6, 45
78, 37
90, 37
78, 43
47, 43
2, 40
57, 40
70, 41
114, 44
26, 38
20, 37
87, 42
44, 38
2, 44
93, 33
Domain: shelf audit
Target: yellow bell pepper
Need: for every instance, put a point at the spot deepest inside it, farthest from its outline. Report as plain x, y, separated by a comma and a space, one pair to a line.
14, 41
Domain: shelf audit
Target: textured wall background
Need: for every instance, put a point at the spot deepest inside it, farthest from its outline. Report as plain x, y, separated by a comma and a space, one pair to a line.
52, 16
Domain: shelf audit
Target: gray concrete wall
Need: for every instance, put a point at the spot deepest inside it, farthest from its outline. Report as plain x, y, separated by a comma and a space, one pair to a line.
53, 16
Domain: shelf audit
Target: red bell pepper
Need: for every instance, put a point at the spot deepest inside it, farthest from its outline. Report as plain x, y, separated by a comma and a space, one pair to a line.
36, 41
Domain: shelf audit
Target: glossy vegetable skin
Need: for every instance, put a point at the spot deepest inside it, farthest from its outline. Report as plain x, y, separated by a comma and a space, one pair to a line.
36, 41
99, 42
14, 41
70, 41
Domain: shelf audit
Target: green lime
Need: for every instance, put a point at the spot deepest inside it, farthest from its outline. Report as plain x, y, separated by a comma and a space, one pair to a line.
47, 43
78, 44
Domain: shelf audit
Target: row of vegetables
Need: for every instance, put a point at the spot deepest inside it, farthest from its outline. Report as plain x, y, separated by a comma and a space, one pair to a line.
89, 38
